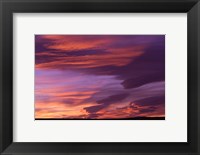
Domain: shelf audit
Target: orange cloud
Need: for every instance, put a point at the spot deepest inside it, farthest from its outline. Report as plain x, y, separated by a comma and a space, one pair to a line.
115, 57
68, 43
114, 54
78, 75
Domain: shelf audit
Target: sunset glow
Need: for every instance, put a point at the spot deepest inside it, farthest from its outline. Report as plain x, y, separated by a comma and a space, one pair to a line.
99, 76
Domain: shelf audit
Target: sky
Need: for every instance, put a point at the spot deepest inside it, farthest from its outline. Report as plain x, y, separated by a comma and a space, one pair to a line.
99, 76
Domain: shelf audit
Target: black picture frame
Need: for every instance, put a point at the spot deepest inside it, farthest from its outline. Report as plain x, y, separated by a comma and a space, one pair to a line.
8, 7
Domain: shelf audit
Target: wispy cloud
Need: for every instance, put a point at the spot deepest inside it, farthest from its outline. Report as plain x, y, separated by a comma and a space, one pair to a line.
99, 76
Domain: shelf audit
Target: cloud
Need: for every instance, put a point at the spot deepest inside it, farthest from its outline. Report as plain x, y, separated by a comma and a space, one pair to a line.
155, 100
113, 99
94, 109
88, 51
99, 76
106, 102
139, 81
147, 110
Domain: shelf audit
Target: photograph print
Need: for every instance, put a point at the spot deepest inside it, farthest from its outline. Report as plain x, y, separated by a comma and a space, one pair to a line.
99, 77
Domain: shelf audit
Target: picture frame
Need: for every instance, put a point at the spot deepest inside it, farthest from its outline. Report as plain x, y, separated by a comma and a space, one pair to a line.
8, 7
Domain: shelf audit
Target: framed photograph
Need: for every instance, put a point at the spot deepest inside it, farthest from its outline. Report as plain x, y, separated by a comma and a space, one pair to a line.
103, 77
